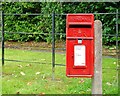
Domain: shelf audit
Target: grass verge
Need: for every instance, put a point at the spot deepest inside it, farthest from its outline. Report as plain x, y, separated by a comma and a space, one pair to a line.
36, 78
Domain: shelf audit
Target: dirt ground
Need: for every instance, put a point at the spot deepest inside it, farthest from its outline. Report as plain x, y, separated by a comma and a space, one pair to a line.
36, 46
43, 46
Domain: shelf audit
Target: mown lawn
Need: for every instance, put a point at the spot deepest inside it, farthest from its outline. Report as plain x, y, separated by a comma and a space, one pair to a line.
36, 78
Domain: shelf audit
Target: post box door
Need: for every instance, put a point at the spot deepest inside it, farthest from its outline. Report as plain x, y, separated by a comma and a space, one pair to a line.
79, 45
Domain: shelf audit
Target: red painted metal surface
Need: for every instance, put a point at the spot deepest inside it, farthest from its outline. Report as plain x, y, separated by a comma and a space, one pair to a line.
80, 31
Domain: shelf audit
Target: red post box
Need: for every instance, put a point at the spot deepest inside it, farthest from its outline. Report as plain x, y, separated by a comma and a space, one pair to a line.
80, 45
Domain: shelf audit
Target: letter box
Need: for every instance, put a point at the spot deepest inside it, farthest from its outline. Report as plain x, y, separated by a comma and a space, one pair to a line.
80, 45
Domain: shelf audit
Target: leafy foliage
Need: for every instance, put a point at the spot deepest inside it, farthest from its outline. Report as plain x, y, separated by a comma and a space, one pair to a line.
41, 25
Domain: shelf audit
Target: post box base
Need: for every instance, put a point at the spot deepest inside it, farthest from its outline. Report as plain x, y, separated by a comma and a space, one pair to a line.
83, 76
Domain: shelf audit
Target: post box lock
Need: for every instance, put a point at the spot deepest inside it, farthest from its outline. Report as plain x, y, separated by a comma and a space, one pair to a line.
79, 45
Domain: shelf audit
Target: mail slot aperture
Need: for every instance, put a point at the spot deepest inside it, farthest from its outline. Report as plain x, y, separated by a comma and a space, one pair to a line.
80, 26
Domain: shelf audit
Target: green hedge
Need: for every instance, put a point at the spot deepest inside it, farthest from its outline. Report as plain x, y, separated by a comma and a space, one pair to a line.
43, 23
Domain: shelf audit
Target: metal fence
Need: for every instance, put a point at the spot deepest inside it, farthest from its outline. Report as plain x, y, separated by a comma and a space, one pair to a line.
53, 34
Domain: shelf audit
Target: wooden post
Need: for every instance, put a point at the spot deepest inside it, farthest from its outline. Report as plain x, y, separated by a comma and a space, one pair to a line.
97, 78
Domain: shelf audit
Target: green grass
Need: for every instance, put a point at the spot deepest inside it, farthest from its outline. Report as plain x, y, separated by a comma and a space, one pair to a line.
30, 82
